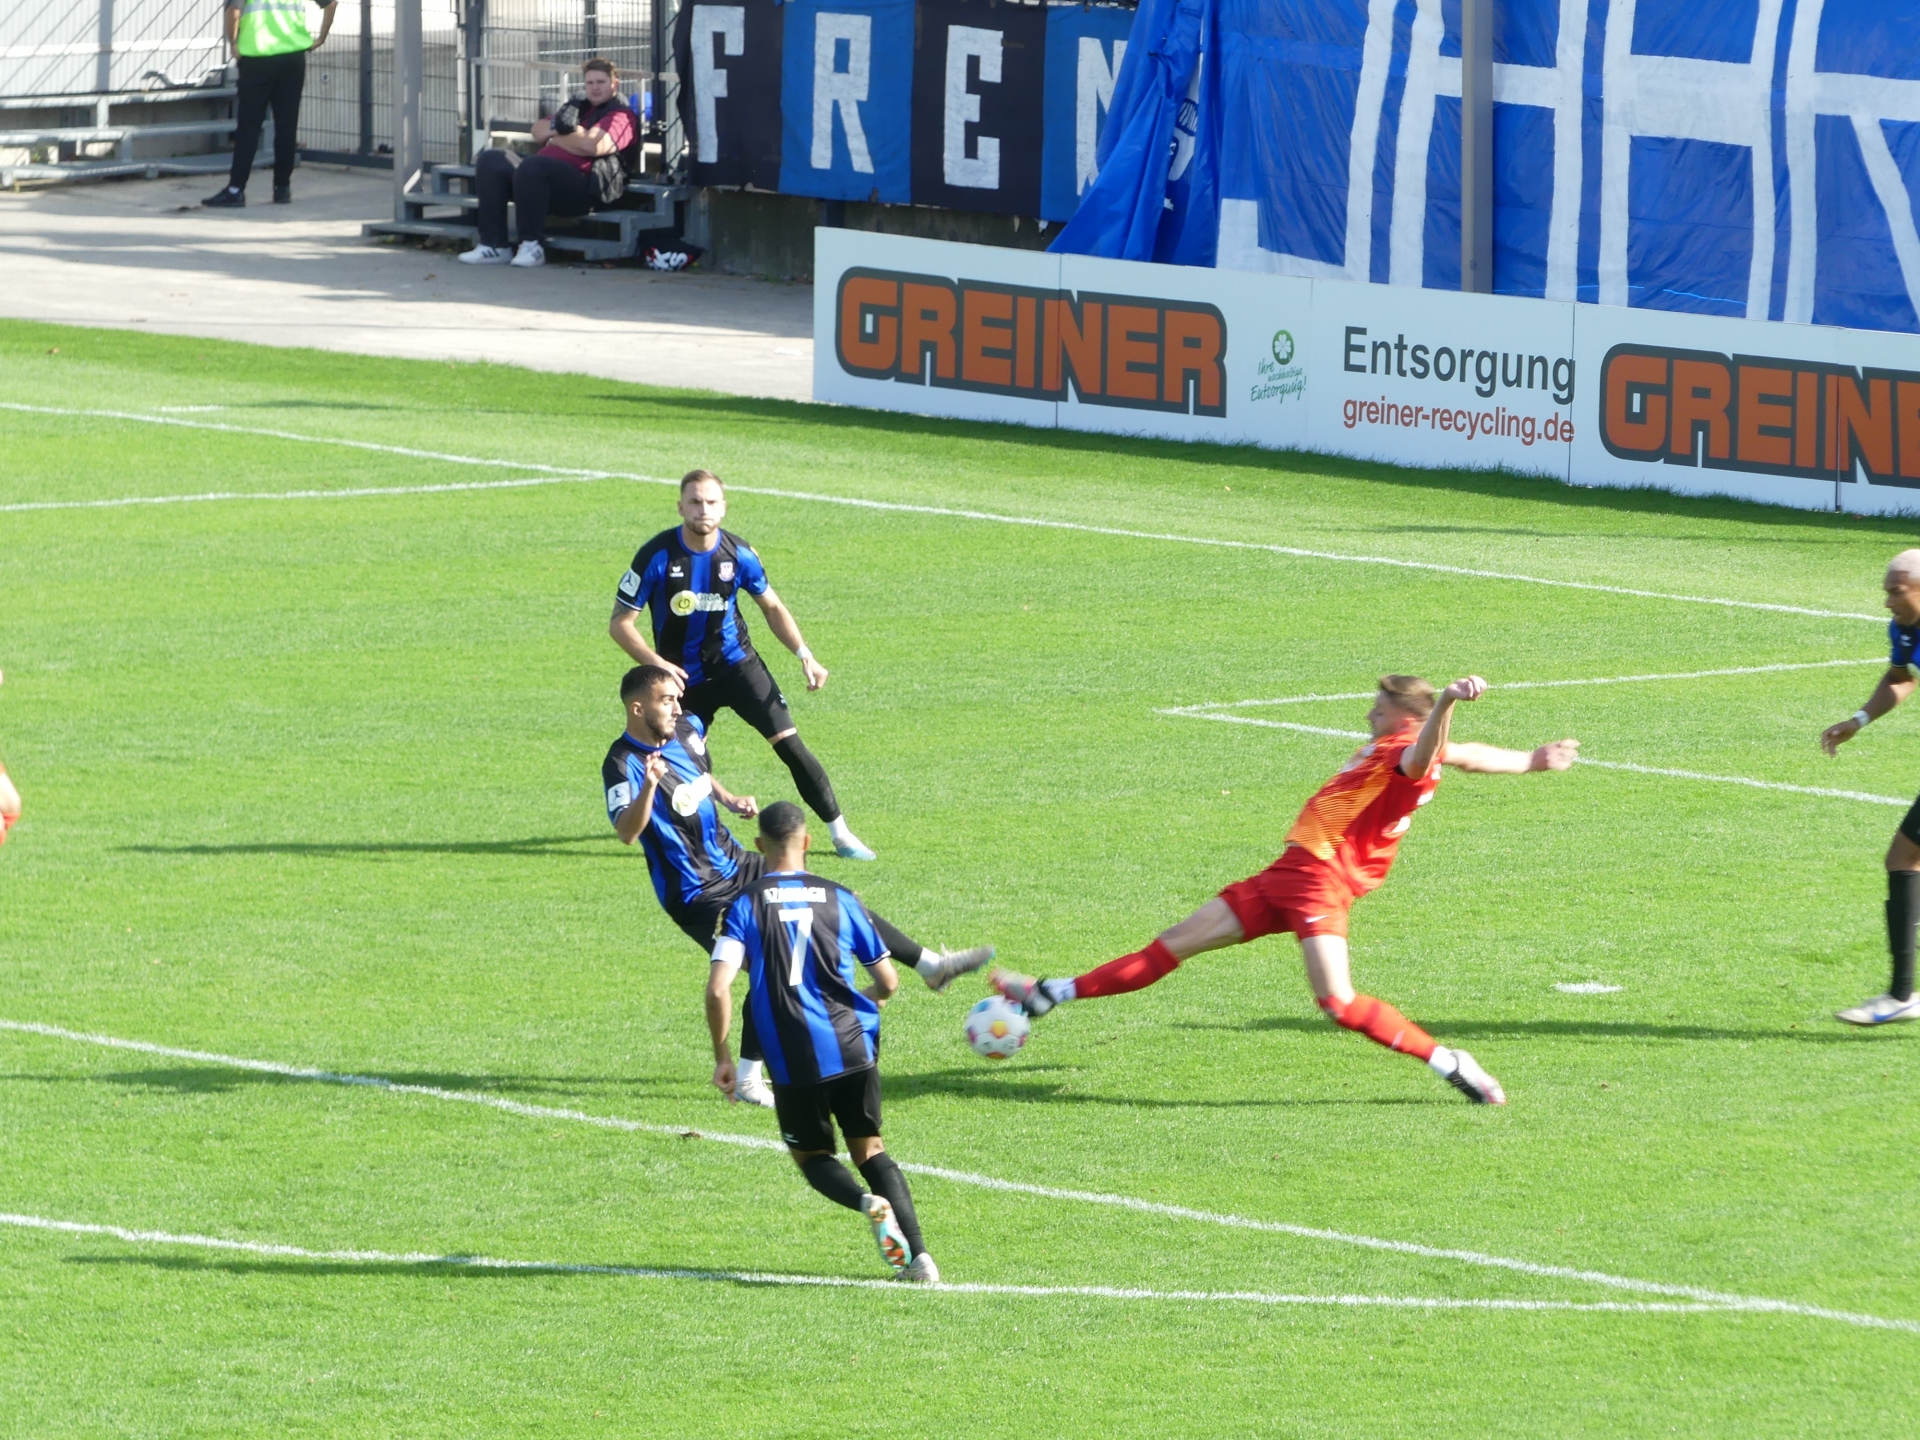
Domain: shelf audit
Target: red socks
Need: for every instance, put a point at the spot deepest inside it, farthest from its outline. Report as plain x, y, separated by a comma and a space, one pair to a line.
1381, 1023
1129, 972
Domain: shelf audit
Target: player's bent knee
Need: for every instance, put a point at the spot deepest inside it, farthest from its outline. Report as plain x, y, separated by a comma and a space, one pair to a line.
801, 1157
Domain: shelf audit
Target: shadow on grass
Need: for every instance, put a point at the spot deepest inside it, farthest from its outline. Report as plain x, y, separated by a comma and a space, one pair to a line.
1018, 1089
452, 1267
542, 845
1445, 1030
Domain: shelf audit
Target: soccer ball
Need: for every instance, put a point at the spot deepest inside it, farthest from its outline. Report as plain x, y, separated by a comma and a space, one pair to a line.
996, 1028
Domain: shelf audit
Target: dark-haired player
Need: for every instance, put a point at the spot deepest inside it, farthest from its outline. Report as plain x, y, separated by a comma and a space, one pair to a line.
9, 804
662, 792
1902, 586
1339, 848
802, 940
690, 578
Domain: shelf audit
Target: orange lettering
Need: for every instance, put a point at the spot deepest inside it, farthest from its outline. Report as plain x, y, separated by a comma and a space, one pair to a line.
1907, 404
1701, 390
926, 319
986, 333
1806, 419
1133, 363
1765, 422
868, 302
1194, 341
1024, 317
1859, 423
1076, 338
1624, 373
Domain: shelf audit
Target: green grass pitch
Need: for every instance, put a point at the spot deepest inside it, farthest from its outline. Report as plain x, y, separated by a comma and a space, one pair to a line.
315, 781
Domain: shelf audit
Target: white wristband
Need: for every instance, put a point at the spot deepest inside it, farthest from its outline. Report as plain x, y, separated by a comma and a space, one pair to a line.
803, 653
1862, 719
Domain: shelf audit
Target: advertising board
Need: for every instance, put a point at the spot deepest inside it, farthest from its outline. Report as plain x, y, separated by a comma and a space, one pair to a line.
1802, 415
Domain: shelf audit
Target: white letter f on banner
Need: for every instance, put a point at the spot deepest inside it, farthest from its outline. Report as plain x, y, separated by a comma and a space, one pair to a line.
843, 90
709, 79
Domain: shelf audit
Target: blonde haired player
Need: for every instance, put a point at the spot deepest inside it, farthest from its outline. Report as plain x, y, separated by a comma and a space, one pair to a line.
9, 800
1339, 848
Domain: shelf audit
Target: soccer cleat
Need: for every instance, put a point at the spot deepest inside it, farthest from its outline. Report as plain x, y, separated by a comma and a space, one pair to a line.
922, 1271
853, 849
754, 1090
887, 1233
486, 255
1473, 1082
530, 253
1881, 1010
955, 963
1022, 990
283, 194
226, 199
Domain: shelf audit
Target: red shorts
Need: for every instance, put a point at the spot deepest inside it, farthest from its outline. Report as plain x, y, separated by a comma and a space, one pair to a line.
1290, 896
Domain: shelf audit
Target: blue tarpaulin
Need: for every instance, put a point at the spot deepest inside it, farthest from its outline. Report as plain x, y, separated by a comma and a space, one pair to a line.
1748, 158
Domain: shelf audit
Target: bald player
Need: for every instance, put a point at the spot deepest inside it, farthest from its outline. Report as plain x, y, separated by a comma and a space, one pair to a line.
1902, 585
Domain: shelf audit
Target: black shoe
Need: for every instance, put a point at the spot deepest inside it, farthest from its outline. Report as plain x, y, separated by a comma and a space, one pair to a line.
283, 194
227, 199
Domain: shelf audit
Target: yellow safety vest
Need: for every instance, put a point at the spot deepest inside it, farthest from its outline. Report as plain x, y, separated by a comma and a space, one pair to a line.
273, 27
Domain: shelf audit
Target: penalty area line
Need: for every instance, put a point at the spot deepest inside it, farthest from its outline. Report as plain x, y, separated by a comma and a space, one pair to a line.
898, 507
777, 1280
1714, 1298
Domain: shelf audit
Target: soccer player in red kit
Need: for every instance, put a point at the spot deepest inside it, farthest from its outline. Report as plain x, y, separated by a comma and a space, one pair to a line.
1340, 848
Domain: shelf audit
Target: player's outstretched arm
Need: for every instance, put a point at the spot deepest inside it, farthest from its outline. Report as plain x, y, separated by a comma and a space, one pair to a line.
786, 630
745, 806
1896, 685
1495, 760
1425, 752
720, 1014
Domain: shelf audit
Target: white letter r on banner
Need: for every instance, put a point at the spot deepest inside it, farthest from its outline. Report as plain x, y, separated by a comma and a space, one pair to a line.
840, 89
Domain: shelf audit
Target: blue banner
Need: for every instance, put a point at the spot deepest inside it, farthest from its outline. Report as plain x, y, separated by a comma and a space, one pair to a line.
1084, 49
846, 91
1748, 158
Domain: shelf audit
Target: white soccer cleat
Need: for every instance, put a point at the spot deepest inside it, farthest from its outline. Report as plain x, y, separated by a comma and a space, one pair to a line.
530, 253
1473, 1082
922, 1271
887, 1233
955, 963
486, 255
754, 1090
1022, 990
1881, 1010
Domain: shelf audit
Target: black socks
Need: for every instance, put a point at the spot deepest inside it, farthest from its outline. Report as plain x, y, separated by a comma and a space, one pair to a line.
902, 946
887, 1181
809, 777
1903, 910
833, 1180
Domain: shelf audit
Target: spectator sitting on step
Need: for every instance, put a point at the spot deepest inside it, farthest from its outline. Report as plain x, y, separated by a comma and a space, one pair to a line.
558, 180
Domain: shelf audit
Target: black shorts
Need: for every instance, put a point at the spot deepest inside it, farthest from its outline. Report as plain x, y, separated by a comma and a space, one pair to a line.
749, 690
1910, 823
701, 920
807, 1112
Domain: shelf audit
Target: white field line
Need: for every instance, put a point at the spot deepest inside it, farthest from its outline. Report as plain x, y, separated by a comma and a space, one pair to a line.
986, 516
360, 491
988, 1182
1540, 684
838, 1282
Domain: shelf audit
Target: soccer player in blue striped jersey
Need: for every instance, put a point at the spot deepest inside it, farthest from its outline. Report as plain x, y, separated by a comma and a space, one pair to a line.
803, 941
689, 579
661, 792
1902, 587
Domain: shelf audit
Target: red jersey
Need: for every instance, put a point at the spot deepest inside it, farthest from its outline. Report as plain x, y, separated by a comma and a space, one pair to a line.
1353, 824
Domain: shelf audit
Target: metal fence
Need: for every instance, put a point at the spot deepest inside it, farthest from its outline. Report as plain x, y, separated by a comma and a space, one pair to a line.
489, 64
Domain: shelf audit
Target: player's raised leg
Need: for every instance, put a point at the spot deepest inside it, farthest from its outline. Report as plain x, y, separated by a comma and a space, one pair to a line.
1330, 975
1212, 927
938, 968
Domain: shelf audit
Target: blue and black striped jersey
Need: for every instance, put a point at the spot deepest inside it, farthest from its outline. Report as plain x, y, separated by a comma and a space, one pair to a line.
693, 600
799, 938
1902, 641
687, 847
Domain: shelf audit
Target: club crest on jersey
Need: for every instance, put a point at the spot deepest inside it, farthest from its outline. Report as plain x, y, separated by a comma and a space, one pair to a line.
694, 743
726, 570
687, 798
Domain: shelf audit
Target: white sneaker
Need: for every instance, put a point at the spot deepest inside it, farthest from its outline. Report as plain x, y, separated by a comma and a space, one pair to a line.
952, 964
1473, 1082
1881, 1010
754, 1090
530, 253
887, 1233
486, 255
922, 1271
1022, 990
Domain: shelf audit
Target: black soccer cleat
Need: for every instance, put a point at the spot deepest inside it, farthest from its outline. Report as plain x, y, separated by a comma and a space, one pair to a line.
227, 199
283, 194
1025, 991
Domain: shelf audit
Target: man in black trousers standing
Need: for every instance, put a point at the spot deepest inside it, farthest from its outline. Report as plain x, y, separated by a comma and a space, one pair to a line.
270, 38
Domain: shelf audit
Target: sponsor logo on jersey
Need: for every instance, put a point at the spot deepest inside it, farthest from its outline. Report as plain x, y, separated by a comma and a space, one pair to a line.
629, 584
685, 602
689, 794
676, 571
1760, 413
1137, 352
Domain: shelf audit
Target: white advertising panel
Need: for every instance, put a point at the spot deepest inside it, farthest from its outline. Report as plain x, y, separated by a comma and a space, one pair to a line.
1809, 416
